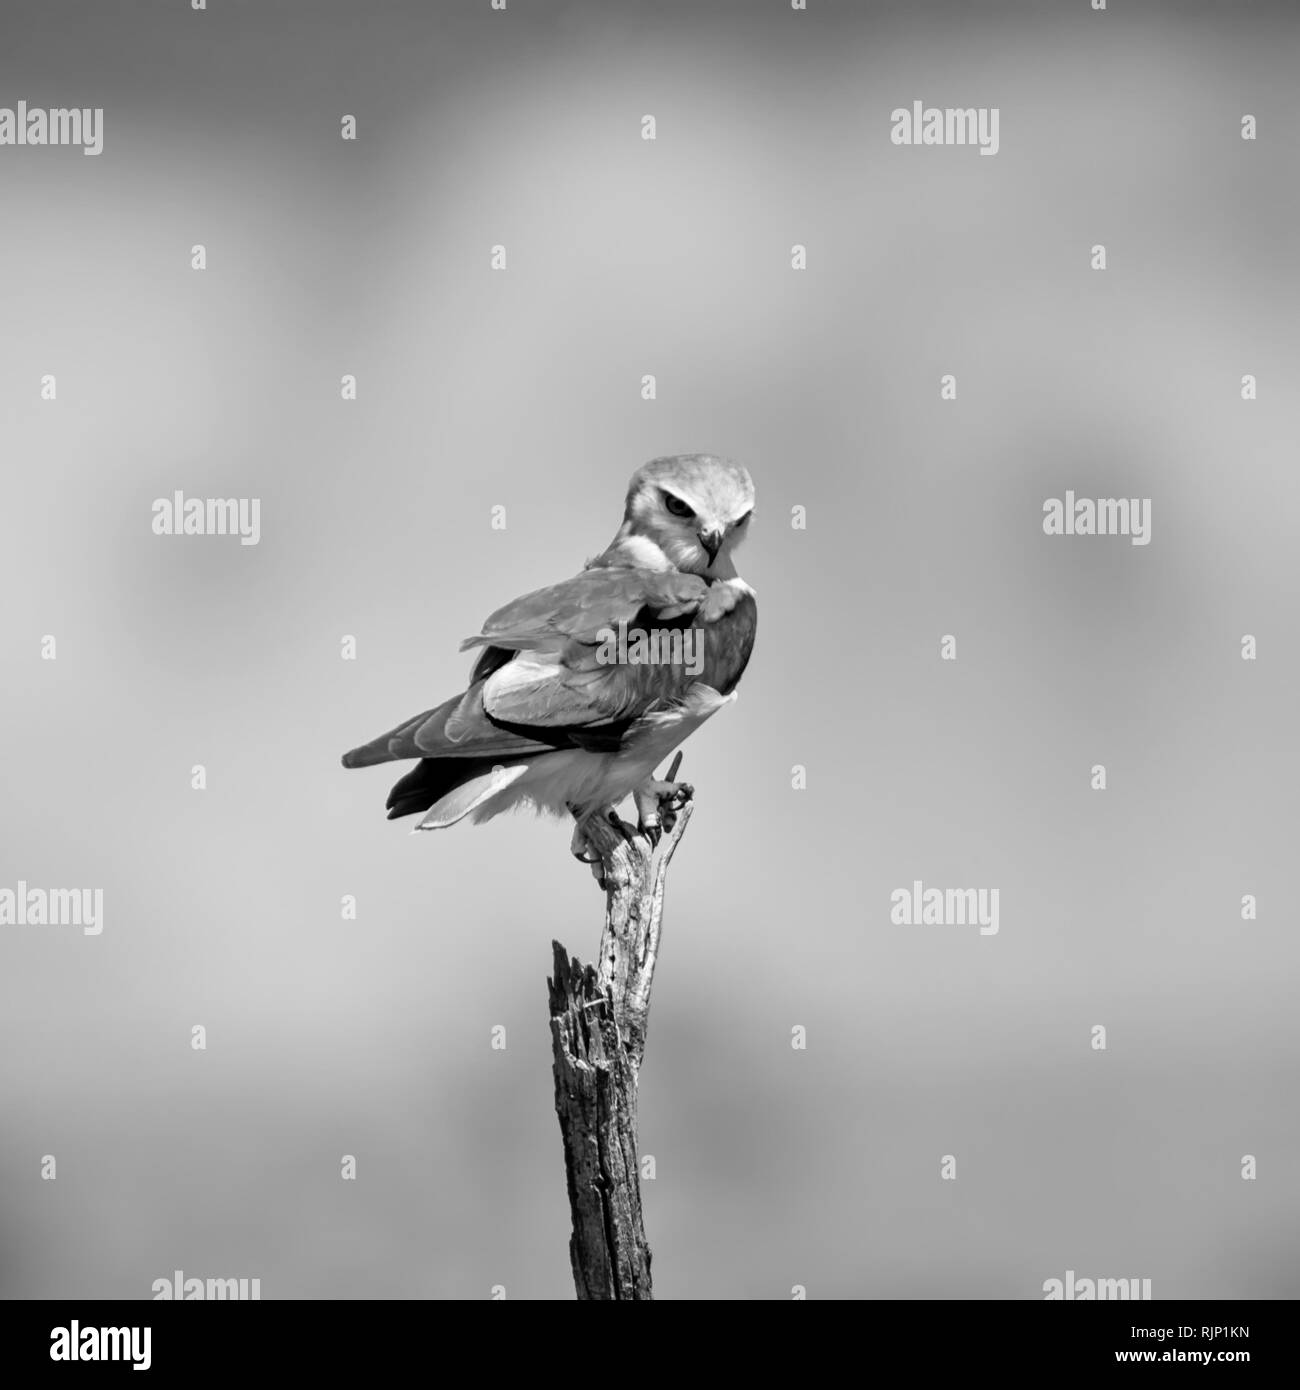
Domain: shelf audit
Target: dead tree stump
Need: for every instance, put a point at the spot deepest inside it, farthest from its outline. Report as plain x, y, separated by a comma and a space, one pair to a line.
598, 1031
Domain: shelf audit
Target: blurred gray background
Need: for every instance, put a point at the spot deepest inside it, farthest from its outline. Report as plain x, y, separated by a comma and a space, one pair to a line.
775, 1167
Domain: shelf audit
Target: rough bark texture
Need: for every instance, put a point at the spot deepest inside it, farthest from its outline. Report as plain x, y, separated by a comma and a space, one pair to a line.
598, 1031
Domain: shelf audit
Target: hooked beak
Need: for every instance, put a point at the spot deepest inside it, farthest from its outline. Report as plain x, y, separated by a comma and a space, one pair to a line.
711, 540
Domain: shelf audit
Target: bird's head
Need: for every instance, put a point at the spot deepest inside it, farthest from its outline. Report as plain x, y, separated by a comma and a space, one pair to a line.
694, 507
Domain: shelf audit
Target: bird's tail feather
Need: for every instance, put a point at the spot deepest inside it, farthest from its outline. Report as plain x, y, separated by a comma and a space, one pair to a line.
469, 795
433, 779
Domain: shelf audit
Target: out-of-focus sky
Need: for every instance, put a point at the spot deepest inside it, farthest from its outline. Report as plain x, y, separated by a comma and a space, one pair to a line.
522, 389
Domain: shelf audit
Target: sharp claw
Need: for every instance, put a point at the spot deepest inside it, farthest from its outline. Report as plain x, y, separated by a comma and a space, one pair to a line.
658, 804
580, 849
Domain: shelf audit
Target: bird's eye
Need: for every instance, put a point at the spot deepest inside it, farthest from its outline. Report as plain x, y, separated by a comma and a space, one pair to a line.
676, 507
741, 520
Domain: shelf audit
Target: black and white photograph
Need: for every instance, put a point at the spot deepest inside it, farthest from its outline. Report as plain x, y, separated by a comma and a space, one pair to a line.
650, 652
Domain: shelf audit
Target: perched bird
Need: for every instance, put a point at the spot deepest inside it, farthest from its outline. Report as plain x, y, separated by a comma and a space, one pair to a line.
582, 688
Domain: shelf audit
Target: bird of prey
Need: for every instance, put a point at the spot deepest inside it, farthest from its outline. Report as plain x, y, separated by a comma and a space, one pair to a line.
581, 689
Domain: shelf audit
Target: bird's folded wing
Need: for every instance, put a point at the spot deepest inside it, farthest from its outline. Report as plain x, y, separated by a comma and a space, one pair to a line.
543, 691
581, 608
561, 677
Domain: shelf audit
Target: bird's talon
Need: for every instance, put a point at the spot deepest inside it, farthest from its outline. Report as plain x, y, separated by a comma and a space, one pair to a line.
581, 849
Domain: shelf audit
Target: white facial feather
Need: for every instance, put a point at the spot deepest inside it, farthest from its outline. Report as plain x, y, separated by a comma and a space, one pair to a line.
720, 495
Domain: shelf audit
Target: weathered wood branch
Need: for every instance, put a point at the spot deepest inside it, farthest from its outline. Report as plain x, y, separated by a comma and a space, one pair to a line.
599, 1015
